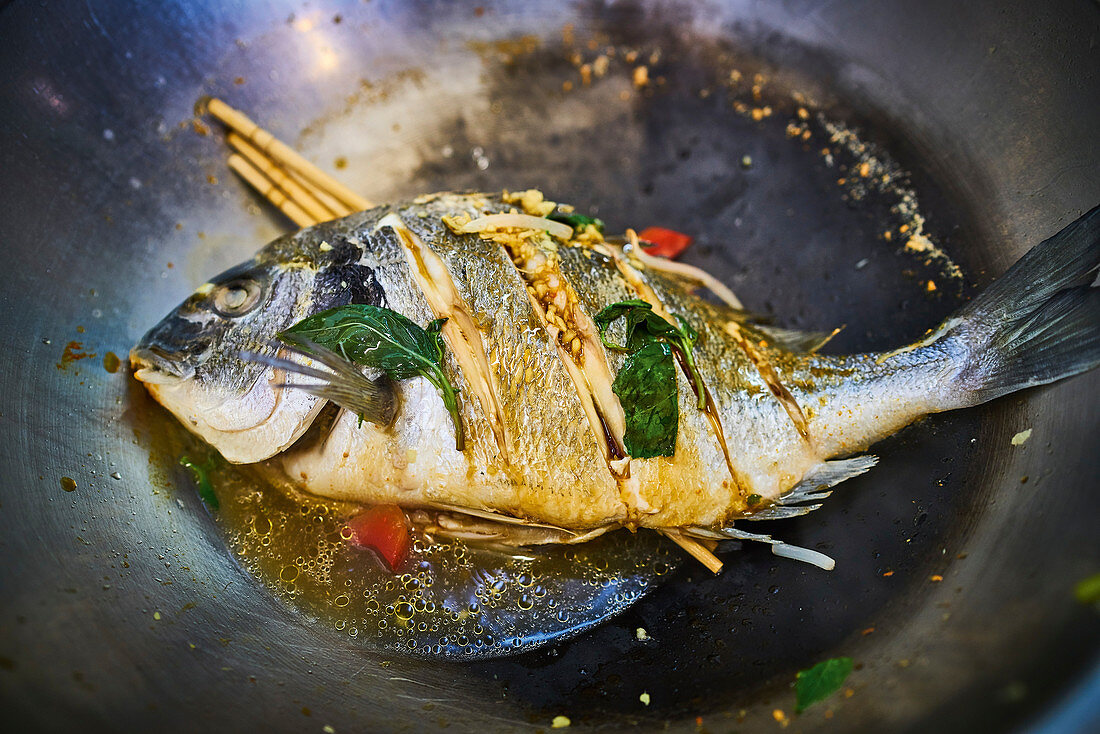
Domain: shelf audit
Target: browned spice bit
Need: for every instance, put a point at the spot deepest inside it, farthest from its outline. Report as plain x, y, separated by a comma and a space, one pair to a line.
888, 573
111, 362
200, 127
238, 80
340, 163
212, 180
80, 330
936, 577
68, 484
73, 352
868, 631
641, 76
567, 34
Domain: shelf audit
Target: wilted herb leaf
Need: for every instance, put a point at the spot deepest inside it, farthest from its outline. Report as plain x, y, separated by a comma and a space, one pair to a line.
642, 327
646, 386
1087, 590
577, 221
820, 681
378, 337
201, 474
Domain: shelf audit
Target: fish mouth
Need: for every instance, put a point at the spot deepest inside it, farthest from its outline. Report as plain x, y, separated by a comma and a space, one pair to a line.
154, 366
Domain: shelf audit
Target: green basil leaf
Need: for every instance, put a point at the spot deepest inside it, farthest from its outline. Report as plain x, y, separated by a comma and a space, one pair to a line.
644, 326
383, 339
609, 314
1087, 590
820, 681
646, 386
201, 474
577, 221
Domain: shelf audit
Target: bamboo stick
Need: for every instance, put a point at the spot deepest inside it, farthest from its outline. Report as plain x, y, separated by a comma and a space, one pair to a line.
283, 154
696, 549
270, 191
331, 203
314, 208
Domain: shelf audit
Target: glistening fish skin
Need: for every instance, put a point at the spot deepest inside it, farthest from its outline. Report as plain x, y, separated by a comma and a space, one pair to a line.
532, 449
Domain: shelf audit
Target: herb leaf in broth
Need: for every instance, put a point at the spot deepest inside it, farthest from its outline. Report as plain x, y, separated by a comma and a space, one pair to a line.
201, 474
377, 337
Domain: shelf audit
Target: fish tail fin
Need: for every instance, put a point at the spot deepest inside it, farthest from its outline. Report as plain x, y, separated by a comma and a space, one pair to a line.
1040, 322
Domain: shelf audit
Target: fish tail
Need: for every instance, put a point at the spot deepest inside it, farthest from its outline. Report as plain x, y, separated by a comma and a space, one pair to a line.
1038, 323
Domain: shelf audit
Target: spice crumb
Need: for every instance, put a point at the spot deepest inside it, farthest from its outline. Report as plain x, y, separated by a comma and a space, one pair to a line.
781, 718
560, 722
1021, 437
644, 698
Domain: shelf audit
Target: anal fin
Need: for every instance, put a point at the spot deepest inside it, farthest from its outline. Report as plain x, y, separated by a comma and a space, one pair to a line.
815, 486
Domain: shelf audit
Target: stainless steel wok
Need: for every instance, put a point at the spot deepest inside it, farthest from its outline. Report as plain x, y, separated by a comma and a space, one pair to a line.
120, 607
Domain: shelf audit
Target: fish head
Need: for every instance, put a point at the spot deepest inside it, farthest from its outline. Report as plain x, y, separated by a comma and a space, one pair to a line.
191, 362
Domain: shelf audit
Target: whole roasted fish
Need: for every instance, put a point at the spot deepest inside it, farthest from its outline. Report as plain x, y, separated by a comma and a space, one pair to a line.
765, 426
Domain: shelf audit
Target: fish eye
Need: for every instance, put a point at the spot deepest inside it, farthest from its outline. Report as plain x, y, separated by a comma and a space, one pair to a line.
236, 297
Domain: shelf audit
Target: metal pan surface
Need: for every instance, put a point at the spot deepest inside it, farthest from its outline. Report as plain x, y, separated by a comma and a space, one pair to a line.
120, 606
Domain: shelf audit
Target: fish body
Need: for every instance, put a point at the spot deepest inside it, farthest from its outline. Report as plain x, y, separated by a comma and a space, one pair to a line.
544, 429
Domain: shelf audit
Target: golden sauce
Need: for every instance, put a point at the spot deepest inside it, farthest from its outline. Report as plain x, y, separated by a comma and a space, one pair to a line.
450, 599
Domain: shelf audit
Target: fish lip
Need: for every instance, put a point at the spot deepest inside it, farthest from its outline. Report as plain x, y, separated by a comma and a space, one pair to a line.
150, 365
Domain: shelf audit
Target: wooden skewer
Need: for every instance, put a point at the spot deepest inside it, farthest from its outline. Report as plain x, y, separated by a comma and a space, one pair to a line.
331, 203
270, 191
317, 210
283, 154
697, 550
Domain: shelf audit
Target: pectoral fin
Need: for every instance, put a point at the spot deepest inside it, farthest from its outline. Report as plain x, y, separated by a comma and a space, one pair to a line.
344, 383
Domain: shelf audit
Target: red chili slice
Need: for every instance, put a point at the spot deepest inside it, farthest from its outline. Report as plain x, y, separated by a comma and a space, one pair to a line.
664, 242
382, 528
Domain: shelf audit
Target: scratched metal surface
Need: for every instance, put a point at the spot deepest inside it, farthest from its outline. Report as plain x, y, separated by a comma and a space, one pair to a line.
120, 608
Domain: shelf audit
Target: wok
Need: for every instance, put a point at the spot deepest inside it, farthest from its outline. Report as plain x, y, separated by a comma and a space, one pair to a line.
120, 607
